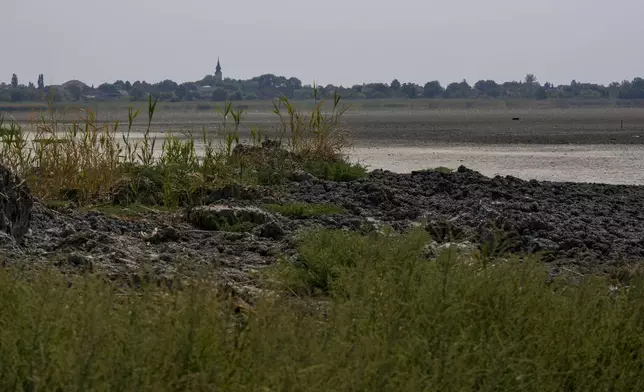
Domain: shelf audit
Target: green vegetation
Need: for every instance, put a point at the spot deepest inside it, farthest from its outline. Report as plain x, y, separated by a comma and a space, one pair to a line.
441, 169
303, 210
340, 171
268, 86
385, 319
350, 312
233, 224
89, 162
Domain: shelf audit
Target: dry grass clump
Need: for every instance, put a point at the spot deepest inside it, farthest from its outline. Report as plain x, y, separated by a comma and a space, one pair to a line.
89, 161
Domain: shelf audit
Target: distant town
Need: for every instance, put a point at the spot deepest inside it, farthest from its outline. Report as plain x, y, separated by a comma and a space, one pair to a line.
216, 87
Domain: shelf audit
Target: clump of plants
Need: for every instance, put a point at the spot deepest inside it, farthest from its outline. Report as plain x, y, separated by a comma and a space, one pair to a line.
352, 312
91, 162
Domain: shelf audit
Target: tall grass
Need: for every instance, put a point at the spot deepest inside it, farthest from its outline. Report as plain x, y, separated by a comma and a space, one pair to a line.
386, 318
87, 159
317, 134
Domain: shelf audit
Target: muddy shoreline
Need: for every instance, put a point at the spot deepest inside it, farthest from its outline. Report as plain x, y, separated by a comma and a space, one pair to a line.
588, 227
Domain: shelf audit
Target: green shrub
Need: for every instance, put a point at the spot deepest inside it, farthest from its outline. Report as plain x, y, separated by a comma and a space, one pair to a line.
442, 169
335, 171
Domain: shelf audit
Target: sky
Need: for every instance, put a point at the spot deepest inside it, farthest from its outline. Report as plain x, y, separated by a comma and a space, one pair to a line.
340, 42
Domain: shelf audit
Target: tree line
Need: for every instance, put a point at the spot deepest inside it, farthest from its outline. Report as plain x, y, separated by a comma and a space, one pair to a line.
269, 86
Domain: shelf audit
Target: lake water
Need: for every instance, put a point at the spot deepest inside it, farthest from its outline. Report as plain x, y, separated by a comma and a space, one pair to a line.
614, 164
602, 163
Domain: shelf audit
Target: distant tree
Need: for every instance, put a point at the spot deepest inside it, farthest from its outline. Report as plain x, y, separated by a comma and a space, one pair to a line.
395, 85
458, 90
530, 79
56, 94
41, 82
128, 85
119, 85
75, 91
138, 93
166, 86
376, 90
14, 81
107, 88
180, 92
237, 96
219, 95
31, 85
433, 89
17, 95
540, 93
295, 83
410, 90
613, 89
488, 88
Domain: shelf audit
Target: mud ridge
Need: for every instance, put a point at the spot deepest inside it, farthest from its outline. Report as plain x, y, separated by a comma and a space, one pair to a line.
592, 226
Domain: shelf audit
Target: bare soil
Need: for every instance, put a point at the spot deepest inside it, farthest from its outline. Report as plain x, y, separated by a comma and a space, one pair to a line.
400, 126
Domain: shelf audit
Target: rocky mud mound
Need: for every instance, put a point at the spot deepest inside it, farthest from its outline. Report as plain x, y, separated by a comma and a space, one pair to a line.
593, 225
586, 223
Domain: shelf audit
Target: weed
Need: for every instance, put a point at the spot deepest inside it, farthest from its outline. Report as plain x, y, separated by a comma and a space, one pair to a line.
341, 171
94, 162
315, 136
439, 169
442, 169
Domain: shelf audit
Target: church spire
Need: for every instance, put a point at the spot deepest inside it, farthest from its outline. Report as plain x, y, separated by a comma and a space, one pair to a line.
218, 75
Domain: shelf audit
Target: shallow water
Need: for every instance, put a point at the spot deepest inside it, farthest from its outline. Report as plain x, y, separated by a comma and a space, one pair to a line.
600, 163
614, 164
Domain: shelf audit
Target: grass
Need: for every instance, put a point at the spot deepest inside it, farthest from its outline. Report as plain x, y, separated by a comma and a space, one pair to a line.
439, 169
91, 162
442, 169
385, 318
341, 171
304, 210
220, 223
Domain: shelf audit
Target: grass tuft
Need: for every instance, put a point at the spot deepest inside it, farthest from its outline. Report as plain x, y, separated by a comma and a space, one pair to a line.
91, 162
442, 169
336, 171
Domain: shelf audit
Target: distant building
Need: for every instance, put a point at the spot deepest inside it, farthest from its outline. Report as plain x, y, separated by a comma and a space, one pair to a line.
218, 76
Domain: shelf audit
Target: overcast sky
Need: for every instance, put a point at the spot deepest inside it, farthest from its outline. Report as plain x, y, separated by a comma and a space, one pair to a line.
331, 41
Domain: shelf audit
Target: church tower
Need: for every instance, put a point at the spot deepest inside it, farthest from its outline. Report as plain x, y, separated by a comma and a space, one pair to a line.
218, 75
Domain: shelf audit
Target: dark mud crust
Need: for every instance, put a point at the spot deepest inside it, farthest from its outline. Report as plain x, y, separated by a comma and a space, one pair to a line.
593, 226
481, 127
589, 224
